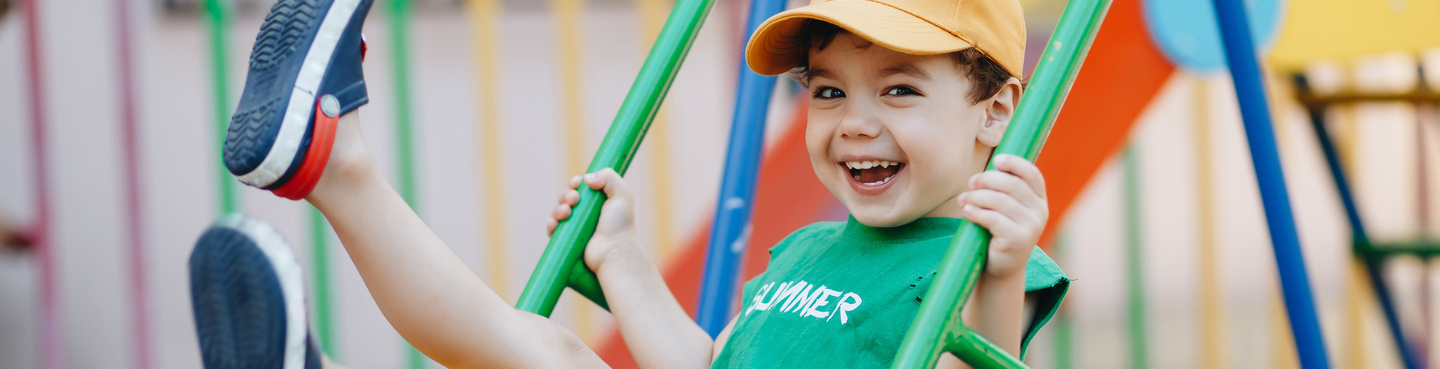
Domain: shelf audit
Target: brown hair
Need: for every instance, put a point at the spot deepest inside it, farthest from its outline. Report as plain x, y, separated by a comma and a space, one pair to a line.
987, 75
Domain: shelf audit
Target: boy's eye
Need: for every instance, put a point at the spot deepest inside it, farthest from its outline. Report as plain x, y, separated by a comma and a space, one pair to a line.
901, 90
829, 93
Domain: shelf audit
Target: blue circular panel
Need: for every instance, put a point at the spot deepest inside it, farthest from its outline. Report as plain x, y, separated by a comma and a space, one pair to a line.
1187, 33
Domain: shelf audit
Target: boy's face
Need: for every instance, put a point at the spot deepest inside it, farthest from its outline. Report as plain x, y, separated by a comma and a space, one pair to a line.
896, 136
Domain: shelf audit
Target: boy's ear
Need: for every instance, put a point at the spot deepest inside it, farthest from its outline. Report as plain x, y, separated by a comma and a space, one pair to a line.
999, 109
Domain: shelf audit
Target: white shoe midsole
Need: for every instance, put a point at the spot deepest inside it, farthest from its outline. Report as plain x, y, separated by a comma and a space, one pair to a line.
302, 98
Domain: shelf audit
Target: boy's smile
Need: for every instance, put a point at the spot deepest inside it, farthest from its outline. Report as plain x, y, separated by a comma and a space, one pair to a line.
871, 176
894, 136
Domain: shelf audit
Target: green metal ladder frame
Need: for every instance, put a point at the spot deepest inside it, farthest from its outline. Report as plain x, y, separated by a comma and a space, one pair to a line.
1372, 255
938, 326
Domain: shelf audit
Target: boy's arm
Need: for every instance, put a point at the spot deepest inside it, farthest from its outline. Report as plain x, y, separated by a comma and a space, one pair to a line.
656, 328
431, 297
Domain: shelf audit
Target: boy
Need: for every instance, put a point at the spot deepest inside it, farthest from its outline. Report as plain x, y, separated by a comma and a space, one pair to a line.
908, 100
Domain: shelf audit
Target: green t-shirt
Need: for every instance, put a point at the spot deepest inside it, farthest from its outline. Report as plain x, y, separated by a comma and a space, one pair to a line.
843, 295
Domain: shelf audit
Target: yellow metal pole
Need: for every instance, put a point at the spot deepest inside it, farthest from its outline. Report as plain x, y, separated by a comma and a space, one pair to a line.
1356, 355
652, 18
568, 15
1212, 332
568, 19
485, 24
1355, 315
1350, 145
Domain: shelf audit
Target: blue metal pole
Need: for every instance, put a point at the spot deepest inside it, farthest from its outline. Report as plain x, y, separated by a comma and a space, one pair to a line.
731, 230
1260, 134
1359, 237
1392, 318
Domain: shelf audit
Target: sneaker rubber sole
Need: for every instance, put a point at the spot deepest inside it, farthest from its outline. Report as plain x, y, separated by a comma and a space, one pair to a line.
303, 51
247, 292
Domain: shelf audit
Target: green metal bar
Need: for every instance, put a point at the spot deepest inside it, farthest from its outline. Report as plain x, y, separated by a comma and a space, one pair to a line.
1064, 330
1134, 266
583, 281
404, 130
567, 244
970, 347
1064, 341
217, 13
320, 267
1422, 248
959, 270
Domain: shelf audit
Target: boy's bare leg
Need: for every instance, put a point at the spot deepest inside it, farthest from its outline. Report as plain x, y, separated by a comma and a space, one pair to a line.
426, 292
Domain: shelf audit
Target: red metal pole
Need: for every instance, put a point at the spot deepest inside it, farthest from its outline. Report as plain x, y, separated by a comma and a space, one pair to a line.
49, 305
139, 298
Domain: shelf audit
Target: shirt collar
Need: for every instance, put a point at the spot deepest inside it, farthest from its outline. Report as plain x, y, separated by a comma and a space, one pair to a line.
917, 230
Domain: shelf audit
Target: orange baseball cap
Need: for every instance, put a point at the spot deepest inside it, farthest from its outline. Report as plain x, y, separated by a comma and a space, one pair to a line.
923, 27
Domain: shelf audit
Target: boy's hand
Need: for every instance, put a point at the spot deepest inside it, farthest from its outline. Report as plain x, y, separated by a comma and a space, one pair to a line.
615, 232
1010, 202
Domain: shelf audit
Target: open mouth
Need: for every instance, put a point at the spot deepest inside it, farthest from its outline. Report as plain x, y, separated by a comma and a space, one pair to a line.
873, 172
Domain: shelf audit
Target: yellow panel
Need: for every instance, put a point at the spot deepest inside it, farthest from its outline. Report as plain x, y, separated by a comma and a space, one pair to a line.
1343, 29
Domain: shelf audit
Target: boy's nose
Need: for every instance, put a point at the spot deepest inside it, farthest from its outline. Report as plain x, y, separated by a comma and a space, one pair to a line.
859, 120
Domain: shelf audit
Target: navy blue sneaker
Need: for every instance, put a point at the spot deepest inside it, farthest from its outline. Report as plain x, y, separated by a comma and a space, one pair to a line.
248, 295
307, 52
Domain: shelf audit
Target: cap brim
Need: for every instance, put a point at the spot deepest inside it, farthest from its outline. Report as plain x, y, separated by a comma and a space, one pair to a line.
776, 46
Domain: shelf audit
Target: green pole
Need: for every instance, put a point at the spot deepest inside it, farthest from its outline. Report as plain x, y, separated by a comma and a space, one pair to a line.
1134, 265
320, 267
217, 14
938, 325
1064, 330
1064, 342
560, 264
404, 130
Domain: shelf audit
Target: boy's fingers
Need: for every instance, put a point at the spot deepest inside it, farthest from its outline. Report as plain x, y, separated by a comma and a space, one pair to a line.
574, 182
1007, 183
1024, 169
550, 225
999, 202
609, 182
561, 212
570, 198
992, 220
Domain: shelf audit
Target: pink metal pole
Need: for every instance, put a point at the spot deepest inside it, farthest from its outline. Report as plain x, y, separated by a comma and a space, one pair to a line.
49, 305
139, 297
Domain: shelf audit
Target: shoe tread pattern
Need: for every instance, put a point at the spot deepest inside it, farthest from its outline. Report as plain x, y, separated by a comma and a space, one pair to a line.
250, 136
239, 308
275, 59
284, 30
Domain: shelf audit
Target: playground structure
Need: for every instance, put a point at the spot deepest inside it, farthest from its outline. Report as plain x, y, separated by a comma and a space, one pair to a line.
1373, 255
409, 183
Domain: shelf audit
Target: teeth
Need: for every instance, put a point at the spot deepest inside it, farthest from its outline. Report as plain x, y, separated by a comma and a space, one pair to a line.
879, 182
867, 164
